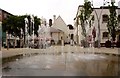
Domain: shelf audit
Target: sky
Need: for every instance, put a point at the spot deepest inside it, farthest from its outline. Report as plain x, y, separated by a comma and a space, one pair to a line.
67, 9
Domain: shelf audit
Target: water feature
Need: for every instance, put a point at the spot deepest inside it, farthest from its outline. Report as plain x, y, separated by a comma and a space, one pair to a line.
29, 37
26, 32
44, 36
60, 61
70, 64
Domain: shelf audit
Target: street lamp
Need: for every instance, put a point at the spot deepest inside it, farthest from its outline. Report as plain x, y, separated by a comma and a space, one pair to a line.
98, 19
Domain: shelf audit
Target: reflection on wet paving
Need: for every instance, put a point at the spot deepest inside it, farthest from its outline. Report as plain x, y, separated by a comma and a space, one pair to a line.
62, 64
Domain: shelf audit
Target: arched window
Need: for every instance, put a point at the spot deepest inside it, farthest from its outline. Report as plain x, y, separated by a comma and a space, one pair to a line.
72, 36
105, 18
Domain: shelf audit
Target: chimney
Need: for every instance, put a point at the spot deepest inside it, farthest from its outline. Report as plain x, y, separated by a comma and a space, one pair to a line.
50, 22
54, 17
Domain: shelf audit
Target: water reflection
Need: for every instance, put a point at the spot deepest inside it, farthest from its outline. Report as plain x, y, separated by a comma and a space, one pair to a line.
59, 64
7, 68
98, 68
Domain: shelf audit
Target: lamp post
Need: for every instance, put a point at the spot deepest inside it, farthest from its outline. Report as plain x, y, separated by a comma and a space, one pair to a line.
98, 20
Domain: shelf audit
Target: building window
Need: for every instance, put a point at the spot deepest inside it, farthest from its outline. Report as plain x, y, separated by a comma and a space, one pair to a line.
118, 18
70, 27
0, 13
72, 36
105, 34
105, 18
5, 15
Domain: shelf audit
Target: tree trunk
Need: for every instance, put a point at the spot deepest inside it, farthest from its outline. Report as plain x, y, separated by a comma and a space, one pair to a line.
20, 43
113, 36
7, 44
24, 39
99, 34
7, 40
14, 42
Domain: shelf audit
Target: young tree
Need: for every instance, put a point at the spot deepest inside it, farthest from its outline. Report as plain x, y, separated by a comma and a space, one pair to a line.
112, 22
13, 25
85, 16
36, 26
9, 28
30, 25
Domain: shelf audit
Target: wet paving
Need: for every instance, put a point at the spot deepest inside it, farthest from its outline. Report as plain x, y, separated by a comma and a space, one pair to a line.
62, 64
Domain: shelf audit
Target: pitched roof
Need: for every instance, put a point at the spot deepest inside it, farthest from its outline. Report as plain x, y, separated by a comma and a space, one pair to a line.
54, 30
6, 11
60, 24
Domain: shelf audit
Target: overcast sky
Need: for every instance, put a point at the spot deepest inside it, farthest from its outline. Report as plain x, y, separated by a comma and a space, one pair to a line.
67, 9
